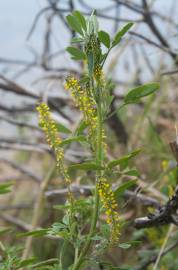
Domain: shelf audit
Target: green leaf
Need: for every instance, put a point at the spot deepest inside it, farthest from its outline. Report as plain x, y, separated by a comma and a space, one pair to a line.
4, 187
4, 191
121, 33
81, 19
104, 38
76, 40
27, 262
85, 166
125, 245
92, 24
132, 172
105, 230
95, 23
135, 94
36, 233
76, 53
128, 244
124, 159
66, 220
122, 188
80, 138
134, 242
63, 129
4, 230
81, 127
74, 24
97, 238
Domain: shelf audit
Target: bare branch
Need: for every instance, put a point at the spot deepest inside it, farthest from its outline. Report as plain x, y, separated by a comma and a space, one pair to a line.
23, 170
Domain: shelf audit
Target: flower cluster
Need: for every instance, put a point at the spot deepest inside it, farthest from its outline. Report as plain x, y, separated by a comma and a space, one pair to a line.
50, 128
98, 72
93, 46
109, 203
84, 102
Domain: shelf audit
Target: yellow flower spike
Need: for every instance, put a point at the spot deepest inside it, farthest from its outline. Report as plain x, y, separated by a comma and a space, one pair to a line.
107, 198
85, 103
50, 128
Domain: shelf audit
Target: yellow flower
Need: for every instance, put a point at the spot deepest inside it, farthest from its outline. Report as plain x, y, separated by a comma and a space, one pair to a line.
109, 203
98, 73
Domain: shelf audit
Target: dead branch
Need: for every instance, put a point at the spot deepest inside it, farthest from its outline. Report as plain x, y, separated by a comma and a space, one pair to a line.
21, 169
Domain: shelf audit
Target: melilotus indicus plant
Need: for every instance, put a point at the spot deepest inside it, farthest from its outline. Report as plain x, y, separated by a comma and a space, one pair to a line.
92, 96
90, 225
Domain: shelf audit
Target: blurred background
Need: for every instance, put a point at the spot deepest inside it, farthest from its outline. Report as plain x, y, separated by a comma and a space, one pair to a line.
33, 67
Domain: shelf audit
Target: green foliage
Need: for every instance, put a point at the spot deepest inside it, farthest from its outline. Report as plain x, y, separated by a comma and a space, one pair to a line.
137, 93
121, 33
125, 186
13, 261
81, 19
104, 38
76, 53
4, 188
63, 129
80, 138
74, 23
86, 166
124, 160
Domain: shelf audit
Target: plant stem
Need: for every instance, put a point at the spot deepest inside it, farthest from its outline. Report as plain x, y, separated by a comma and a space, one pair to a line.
92, 230
2, 247
86, 247
49, 261
76, 255
64, 245
155, 267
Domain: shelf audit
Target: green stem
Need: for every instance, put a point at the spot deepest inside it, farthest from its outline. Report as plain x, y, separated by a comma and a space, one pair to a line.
49, 261
104, 60
92, 230
76, 255
86, 247
116, 111
62, 253
2, 247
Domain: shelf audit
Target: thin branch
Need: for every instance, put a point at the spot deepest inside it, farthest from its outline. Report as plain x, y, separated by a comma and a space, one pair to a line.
153, 258
23, 170
19, 123
32, 147
149, 20
37, 211
86, 190
167, 214
175, 71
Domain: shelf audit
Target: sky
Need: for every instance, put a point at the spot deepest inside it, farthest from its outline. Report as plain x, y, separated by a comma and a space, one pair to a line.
16, 18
